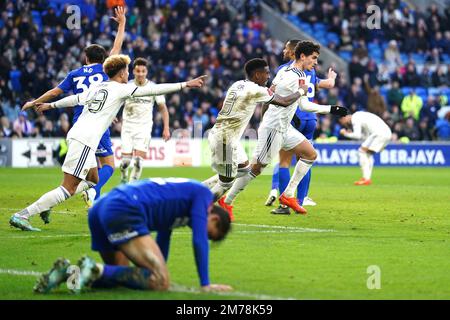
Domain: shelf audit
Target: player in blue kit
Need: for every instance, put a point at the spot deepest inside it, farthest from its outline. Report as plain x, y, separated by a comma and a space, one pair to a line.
305, 122
120, 223
78, 81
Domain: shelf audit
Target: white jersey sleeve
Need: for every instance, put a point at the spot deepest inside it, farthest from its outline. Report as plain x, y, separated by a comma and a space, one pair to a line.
151, 89
238, 108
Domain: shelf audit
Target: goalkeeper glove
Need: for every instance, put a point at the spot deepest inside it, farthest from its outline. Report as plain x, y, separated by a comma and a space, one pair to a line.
339, 111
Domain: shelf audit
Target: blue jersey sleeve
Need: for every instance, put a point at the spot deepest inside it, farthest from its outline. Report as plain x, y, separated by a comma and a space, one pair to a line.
163, 240
66, 84
199, 225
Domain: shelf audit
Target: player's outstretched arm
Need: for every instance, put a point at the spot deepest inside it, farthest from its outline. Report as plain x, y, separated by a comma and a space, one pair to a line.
356, 134
121, 20
330, 81
166, 88
307, 105
49, 95
66, 102
290, 99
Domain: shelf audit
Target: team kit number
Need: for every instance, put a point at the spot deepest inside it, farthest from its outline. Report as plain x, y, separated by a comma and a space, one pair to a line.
98, 100
96, 78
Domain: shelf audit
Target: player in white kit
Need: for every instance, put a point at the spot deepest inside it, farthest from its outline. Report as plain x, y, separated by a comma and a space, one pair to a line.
102, 102
137, 125
276, 132
376, 135
228, 157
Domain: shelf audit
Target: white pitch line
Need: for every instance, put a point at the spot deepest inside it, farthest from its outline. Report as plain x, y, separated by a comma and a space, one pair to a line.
266, 226
284, 227
173, 288
20, 272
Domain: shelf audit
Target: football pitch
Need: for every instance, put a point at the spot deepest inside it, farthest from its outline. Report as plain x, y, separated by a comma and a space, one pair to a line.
394, 233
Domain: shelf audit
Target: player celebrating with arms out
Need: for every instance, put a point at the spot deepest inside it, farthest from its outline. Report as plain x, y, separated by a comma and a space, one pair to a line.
78, 81
137, 124
303, 121
228, 156
376, 133
101, 104
120, 224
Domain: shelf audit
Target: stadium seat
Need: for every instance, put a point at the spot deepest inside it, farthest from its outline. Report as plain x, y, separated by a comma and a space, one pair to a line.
346, 55
420, 91
406, 90
15, 80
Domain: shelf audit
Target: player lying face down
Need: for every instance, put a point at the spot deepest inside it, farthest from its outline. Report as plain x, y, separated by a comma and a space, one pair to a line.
120, 224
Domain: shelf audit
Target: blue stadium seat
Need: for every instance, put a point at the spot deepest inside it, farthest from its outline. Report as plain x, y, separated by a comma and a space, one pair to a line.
15, 80
421, 91
346, 55
406, 90
434, 91
318, 26
418, 58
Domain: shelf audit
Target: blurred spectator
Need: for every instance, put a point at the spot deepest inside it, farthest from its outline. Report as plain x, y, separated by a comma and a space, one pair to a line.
22, 126
411, 105
5, 127
394, 95
375, 102
443, 127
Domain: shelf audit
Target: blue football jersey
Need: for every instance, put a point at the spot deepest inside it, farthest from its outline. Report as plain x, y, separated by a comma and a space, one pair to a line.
170, 203
79, 80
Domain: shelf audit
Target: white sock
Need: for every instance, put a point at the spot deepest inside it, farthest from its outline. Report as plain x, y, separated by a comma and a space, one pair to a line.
364, 163
211, 182
301, 168
124, 167
371, 161
220, 188
83, 186
45, 202
239, 185
137, 169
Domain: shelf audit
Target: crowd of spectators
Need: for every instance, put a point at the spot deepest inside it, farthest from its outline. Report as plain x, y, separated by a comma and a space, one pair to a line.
184, 39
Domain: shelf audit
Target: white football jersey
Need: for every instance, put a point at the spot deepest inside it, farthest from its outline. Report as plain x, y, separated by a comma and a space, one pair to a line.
238, 107
366, 123
138, 111
102, 103
287, 82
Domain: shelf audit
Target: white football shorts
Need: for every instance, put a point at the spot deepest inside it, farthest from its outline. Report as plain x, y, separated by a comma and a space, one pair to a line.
271, 141
225, 158
136, 139
376, 143
79, 159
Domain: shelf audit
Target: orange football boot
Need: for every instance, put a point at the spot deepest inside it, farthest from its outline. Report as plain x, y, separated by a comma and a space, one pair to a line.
363, 182
227, 207
292, 203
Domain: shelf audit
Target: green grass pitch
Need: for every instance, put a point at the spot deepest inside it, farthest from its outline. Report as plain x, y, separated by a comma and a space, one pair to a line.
401, 224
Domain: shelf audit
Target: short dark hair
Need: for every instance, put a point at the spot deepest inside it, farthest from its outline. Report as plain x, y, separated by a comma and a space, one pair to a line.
224, 223
95, 53
293, 43
140, 62
307, 48
253, 65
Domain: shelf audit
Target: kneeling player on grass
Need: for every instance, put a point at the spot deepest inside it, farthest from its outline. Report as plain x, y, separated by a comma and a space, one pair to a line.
120, 224
377, 135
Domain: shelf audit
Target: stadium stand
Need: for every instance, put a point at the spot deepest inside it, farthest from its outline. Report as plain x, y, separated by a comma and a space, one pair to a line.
185, 38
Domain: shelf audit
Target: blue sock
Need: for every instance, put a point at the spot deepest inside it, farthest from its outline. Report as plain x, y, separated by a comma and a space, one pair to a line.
285, 176
103, 176
275, 177
303, 187
129, 277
